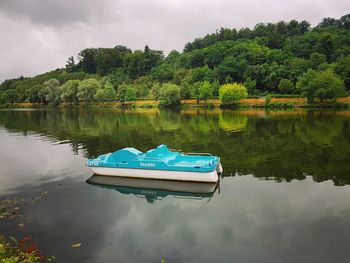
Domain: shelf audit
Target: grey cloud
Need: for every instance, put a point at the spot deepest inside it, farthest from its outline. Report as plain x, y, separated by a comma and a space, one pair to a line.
40, 35
51, 12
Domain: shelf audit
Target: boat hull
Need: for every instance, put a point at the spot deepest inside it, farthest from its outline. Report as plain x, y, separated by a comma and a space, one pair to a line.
210, 177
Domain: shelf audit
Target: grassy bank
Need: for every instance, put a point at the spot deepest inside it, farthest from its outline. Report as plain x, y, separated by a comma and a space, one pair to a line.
262, 102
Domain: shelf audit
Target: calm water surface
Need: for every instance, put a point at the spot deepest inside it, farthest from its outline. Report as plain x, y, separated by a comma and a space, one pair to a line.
284, 196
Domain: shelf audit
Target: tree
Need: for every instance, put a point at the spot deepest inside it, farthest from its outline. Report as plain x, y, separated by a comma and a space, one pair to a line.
106, 94
51, 91
9, 95
155, 90
205, 91
87, 61
323, 85
33, 94
202, 74
87, 89
170, 94
126, 93
215, 85
285, 86
69, 91
232, 68
231, 94
130, 94
70, 64
316, 59
342, 68
163, 73
251, 85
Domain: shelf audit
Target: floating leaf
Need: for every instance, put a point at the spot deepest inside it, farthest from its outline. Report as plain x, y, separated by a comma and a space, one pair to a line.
75, 245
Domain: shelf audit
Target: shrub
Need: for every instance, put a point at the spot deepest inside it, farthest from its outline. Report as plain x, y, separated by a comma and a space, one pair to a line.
268, 99
20, 251
170, 94
286, 86
126, 93
320, 84
231, 94
106, 94
205, 91
87, 89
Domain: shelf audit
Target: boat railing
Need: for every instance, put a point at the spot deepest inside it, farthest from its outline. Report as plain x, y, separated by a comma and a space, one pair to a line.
190, 153
204, 154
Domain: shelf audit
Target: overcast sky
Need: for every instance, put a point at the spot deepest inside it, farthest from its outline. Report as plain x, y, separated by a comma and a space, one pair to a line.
39, 35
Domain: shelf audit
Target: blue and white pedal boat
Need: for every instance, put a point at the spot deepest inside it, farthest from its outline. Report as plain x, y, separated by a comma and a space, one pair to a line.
160, 163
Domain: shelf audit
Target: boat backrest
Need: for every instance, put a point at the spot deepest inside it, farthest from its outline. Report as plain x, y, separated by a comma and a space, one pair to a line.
124, 155
161, 151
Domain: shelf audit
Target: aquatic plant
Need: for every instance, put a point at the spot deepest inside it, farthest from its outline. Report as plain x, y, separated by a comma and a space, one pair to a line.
25, 251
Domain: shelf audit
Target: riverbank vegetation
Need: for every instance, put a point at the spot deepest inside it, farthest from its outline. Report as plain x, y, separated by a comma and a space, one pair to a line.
284, 58
13, 251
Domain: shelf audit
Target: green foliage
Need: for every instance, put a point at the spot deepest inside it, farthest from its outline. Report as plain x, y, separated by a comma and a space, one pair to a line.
202, 74
140, 63
268, 99
231, 94
205, 91
163, 73
323, 85
316, 59
130, 94
170, 94
232, 68
8, 96
126, 93
342, 68
142, 86
106, 94
87, 89
155, 90
51, 92
69, 91
286, 86
251, 85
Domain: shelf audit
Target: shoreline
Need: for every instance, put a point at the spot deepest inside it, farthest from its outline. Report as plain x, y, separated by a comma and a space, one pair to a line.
275, 103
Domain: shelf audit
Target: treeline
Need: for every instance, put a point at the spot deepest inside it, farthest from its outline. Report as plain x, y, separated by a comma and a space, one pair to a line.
271, 58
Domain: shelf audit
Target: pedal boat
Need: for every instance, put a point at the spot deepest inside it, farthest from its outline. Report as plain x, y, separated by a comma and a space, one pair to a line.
160, 163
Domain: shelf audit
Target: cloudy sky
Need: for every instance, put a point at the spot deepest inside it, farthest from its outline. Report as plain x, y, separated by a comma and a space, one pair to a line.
39, 35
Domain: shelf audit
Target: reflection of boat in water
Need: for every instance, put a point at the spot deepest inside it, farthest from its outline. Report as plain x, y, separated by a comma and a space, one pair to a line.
160, 163
153, 189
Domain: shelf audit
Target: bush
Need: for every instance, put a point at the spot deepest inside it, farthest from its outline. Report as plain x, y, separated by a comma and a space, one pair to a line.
126, 93
106, 94
205, 91
268, 99
170, 94
87, 89
286, 86
20, 251
323, 85
231, 94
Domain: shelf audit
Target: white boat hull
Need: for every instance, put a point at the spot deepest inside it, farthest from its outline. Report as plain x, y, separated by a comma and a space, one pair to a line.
210, 177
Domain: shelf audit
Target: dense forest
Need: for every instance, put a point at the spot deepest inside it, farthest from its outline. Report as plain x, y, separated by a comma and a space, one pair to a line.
277, 58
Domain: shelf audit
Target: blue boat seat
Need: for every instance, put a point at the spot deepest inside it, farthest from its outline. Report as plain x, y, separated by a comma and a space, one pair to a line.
125, 155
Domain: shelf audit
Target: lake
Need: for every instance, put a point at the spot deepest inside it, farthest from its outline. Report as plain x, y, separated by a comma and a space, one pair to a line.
284, 195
